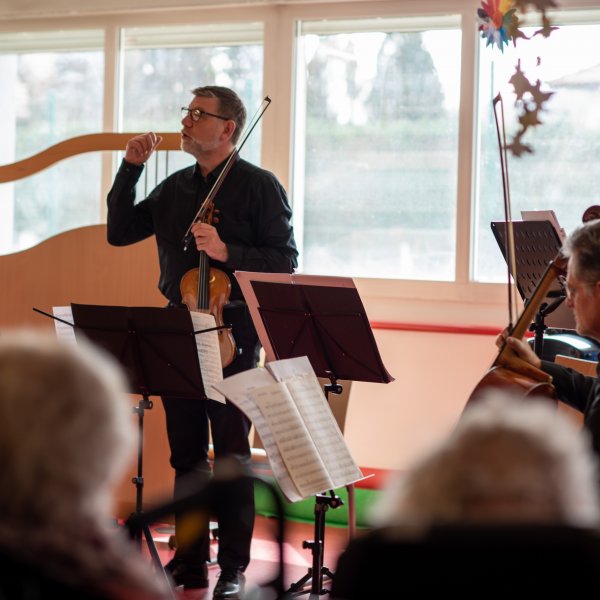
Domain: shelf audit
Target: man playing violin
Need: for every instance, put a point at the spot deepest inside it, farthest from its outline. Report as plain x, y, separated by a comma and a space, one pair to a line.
582, 286
250, 230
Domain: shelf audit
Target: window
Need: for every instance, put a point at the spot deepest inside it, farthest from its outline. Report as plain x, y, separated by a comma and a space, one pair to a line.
561, 174
377, 145
161, 65
50, 89
371, 107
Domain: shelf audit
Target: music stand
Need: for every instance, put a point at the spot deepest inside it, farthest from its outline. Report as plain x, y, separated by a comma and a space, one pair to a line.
322, 318
536, 245
157, 349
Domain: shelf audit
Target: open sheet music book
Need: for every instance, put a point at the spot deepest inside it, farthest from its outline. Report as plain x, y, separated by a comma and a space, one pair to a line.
305, 447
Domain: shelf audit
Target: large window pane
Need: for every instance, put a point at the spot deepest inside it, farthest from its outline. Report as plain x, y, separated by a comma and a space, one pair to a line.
562, 173
64, 196
162, 65
51, 87
376, 151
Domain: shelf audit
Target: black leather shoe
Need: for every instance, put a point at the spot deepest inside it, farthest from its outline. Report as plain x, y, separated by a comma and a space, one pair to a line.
230, 586
188, 575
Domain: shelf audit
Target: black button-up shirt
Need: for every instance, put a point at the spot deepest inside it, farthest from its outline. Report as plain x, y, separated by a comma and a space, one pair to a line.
582, 393
253, 221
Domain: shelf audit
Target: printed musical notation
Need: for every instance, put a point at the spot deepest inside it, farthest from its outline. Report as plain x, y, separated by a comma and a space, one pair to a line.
305, 447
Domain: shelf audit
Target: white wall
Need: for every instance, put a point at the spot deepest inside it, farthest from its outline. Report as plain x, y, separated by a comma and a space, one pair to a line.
388, 425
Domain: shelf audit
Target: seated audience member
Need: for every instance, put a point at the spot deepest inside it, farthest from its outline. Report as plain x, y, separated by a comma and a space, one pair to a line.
507, 460
508, 500
65, 438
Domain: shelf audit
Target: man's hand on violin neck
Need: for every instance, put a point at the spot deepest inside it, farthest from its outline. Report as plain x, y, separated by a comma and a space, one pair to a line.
140, 148
208, 240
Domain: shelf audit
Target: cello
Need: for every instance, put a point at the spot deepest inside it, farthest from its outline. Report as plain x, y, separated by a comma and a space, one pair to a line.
207, 289
509, 371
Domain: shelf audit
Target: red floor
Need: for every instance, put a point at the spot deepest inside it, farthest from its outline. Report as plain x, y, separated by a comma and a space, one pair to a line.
264, 551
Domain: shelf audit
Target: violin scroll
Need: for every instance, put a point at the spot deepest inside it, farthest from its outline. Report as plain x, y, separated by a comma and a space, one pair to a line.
590, 214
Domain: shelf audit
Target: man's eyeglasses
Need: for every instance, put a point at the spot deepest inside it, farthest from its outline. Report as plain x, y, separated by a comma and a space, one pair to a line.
571, 290
196, 114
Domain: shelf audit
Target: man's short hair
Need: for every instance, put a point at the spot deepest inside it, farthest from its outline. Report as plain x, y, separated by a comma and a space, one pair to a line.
230, 105
584, 243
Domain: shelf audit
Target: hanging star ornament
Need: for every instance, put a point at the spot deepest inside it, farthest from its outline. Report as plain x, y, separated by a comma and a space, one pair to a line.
498, 23
540, 5
531, 100
519, 82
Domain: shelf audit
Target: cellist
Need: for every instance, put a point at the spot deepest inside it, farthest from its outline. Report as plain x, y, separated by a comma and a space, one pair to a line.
582, 287
249, 230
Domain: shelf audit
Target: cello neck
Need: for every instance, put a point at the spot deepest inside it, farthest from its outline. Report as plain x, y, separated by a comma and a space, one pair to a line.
555, 268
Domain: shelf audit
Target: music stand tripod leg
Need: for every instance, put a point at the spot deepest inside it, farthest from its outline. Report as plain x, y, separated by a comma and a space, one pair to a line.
143, 405
317, 546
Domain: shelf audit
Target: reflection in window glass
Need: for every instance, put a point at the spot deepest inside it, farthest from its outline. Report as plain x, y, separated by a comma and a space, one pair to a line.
376, 152
46, 96
162, 65
559, 175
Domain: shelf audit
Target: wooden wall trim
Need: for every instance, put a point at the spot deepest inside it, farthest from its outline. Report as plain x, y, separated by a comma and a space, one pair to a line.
76, 266
93, 142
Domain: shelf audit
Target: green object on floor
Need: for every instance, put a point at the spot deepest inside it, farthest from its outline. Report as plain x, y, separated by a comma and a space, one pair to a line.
304, 510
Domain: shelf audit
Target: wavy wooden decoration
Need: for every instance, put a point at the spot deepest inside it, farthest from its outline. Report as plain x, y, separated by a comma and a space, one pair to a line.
76, 266
93, 142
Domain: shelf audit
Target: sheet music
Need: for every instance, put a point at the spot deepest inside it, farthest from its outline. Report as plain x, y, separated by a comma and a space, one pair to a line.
545, 215
237, 388
304, 445
297, 449
289, 367
325, 433
209, 354
312, 404
65, 333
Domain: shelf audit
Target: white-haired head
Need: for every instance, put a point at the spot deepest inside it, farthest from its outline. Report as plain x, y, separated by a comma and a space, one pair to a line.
507, 460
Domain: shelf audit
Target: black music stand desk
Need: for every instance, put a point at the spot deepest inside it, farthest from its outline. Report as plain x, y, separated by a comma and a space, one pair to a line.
536, 245
322, 318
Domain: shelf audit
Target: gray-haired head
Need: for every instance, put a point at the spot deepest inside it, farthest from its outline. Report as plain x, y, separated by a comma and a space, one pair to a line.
230, 105
583, 246
507, 460
65, 428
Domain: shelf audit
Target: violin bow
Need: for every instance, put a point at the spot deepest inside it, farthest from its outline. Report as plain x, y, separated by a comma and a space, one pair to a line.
260, 111
509, 230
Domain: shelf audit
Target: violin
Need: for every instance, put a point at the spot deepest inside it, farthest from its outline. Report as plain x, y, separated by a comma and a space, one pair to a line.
207, 289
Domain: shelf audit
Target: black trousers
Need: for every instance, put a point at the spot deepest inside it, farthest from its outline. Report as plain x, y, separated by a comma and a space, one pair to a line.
188, 422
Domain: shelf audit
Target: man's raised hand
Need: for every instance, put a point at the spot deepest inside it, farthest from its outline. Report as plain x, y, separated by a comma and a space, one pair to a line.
140, 148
